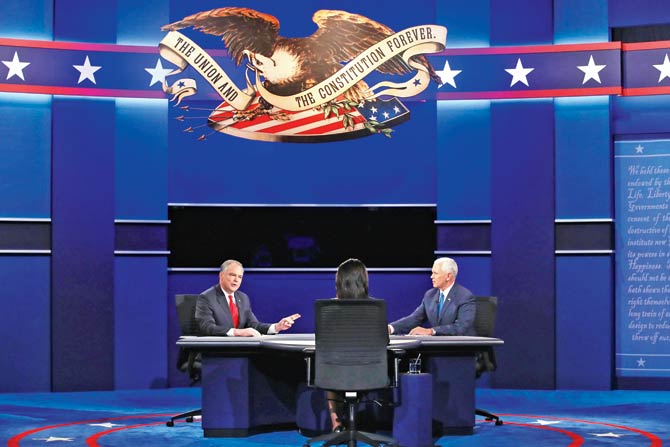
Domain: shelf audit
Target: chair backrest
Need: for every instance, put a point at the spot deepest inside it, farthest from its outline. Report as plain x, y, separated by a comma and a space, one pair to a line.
188, 361
485, 318
186, 314
485, 323
351, 339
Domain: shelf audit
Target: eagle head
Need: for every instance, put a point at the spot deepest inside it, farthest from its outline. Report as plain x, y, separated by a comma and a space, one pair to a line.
283, 67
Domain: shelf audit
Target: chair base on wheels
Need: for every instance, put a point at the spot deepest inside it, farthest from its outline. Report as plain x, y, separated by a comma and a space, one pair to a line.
350, 437
188, 416
489, 416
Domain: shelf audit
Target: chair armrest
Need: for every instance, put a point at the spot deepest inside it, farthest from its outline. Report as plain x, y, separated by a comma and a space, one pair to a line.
309, 355
398, 354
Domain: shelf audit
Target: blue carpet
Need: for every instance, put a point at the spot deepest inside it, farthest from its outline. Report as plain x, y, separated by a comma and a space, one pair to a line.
137, 418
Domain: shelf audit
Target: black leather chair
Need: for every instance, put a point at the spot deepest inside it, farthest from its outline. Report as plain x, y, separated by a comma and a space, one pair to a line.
485, 322
188, 361
350, 356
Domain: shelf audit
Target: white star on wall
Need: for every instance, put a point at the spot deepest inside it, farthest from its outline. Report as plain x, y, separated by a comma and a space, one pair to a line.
448, 75
86, 71
158, 73
639, 149
606, 435
16, 67
664, 69
53, 439
641, 362
591, 71
519, 73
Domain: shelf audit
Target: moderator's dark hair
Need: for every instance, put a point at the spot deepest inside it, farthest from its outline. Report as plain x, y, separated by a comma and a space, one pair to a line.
351, 280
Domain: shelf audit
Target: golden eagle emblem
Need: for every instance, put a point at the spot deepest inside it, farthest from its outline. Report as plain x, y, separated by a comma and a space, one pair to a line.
311, 70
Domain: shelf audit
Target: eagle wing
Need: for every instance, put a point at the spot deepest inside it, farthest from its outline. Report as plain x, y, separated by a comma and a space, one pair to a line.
240, 29
342, 36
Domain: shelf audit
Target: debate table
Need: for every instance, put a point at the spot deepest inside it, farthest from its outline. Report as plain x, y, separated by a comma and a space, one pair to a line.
257, 384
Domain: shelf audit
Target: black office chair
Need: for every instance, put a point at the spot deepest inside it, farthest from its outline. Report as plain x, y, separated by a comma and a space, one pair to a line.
351, 339
485, 321
188, 361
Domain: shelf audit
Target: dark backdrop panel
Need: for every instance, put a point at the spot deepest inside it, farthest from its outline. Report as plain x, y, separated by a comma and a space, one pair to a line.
474, 272
25, 324
374, 169
520, 22
640, 12
73, 19
276, 295
584, 322
522, 241
140, 287
577, 21
640, 114
83, 245
583, 160
464, 160
141, 159
301, 236
25, 169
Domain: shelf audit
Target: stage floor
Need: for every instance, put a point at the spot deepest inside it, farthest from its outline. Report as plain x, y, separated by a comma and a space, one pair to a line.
137, 418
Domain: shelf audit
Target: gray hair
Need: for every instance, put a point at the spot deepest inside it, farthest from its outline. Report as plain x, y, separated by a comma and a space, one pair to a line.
228, 263
447, 265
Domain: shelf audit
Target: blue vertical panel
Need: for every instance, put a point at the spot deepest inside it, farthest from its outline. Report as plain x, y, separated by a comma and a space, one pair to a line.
85, 21
584, 315
139, 23
141, 159
83, 244
474, 272
463, 160
467, 22
521, 22
580, 21
583, 166
25, 170
522, 240
638, 12
140, 287
25, 325
27, 19
640, 114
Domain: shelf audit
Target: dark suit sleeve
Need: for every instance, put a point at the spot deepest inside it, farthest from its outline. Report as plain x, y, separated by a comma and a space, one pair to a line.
406, 324
248, 319
465, 318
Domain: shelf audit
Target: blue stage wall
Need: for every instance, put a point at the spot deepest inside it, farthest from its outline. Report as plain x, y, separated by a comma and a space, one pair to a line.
85, 184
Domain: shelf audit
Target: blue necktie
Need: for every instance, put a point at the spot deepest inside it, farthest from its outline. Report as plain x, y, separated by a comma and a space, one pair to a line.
439, 304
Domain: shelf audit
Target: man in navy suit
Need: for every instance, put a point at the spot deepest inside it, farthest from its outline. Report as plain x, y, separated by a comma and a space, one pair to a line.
448, 308
224, 310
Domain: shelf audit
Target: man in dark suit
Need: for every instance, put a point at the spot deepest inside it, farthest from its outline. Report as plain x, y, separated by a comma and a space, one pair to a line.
448, 308
224, 310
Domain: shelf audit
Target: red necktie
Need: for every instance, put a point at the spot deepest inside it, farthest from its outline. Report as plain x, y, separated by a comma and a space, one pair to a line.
233, 311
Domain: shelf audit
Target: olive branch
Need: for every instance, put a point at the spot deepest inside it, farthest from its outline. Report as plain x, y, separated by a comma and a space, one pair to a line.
344, 109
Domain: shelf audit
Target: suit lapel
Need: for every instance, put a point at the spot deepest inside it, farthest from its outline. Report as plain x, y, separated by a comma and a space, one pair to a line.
223, 301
